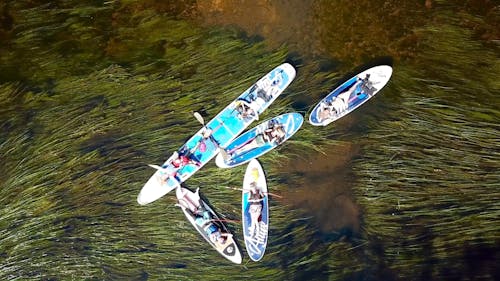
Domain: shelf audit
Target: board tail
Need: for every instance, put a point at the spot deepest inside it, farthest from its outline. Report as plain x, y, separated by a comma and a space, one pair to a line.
225, 155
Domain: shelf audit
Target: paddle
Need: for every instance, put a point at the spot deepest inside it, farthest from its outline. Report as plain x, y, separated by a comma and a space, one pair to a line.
199, 118
159, 168
220, 220
241, 189
208, 132
213, 220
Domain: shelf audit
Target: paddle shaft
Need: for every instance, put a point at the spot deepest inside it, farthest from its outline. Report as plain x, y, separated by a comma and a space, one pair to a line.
220, 220
202, 122
241, 189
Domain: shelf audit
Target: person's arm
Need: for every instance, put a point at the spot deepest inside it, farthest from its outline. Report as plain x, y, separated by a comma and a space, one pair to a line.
267, 137
194, 162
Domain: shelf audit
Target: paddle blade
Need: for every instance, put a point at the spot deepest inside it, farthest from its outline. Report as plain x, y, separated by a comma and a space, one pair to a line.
199, 118
159, 168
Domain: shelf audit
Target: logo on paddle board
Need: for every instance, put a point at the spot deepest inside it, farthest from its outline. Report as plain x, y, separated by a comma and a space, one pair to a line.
229, 250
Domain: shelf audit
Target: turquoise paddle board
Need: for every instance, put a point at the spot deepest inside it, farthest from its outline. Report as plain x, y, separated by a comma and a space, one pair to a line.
253, 143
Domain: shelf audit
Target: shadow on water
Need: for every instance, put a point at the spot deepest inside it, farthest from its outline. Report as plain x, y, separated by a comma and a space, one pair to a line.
316, 29
321, 185
280, 21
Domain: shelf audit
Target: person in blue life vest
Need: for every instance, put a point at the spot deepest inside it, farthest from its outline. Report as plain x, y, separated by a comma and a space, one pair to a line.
204, 219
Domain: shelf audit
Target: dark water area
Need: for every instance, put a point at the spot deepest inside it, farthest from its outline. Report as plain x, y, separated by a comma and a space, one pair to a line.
404, 188
331, 204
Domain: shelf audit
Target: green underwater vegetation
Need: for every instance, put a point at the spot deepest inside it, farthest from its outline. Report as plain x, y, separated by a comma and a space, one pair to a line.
92, 92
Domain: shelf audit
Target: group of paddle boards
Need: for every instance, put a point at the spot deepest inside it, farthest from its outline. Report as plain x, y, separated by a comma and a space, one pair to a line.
222, 138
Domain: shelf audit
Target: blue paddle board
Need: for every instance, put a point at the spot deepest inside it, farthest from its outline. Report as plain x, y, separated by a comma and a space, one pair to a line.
350, 95
255, 210
218, 132
252, 144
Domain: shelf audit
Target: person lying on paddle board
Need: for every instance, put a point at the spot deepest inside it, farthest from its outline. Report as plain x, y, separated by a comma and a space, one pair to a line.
219, 239
201, 145
263, 91
340, 103
275, 133
255, 207
259, 94
246, 110
184, 160
367, 87
204, 220
170, 170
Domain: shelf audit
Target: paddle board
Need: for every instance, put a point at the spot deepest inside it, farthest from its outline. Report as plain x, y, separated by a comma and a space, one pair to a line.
208, 224
350, 95
255, 210
251, 144
218, 132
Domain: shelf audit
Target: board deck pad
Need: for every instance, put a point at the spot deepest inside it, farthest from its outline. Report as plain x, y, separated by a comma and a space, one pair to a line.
255, 233
225, 127
236, 153
193, 206
350, 95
